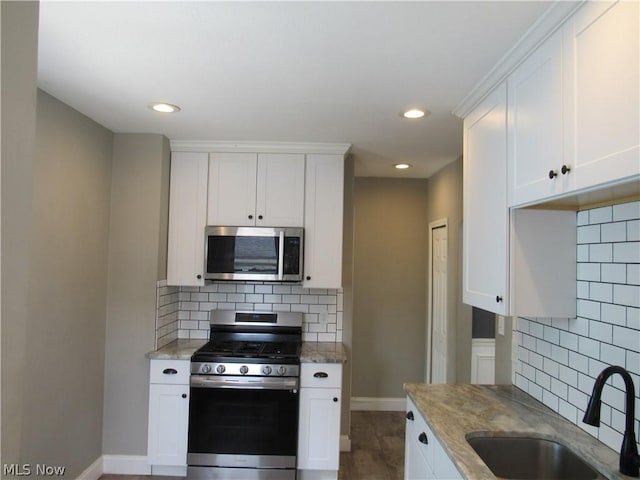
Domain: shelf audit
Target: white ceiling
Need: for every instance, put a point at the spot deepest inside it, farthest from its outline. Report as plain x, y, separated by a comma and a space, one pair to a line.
335, 71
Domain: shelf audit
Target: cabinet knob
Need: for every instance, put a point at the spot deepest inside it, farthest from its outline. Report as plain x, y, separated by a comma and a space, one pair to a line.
422, 438
259, 217
410, 415
308, 277
335, 399
565, 169
199, 277
552, 174
250, 217
184, 395
498, 298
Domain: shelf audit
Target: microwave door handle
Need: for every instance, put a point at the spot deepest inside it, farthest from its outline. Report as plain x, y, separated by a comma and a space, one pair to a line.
281, 256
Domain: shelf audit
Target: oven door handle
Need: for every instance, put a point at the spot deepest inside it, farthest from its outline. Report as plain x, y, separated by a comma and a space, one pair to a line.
254, 383
281, 255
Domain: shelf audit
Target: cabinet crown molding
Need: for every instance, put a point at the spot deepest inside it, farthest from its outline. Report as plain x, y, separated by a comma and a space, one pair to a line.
259, 147
549, 22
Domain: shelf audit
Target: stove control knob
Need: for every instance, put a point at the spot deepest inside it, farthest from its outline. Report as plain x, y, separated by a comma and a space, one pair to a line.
244, 369
282, 370
206, 368
220, 369
266, 370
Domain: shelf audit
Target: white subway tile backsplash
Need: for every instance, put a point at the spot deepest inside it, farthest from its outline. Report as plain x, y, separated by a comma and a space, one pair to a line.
628, 252
601, 252
627, 295
559, 359
626, 211
589, 234
614, 232
183, 312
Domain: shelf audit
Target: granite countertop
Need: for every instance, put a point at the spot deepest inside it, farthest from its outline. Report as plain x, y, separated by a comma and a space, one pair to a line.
453, 411
180, 349
322, 352
312, 352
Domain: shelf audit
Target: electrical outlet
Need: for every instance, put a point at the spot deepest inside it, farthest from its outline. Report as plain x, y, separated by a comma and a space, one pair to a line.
500, 325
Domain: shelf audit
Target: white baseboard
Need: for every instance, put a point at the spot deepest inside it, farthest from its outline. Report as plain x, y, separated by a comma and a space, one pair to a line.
345, 443
378, 404
93, 472
126, 465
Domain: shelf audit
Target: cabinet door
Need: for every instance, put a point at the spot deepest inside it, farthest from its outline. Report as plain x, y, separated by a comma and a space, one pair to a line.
187, 218
485, 230
232, 189
319, 429
602, 104
416, 466
535, 125
280, 190
324, 198
168, 424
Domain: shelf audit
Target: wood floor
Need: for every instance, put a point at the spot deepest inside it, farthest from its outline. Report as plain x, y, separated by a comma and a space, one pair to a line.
377, 450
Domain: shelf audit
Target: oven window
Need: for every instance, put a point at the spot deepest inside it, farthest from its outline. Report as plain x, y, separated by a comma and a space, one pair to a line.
243, 422
234, 254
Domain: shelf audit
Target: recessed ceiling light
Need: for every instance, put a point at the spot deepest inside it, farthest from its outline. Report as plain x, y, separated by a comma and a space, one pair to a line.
402, 166
164, 107
414, 113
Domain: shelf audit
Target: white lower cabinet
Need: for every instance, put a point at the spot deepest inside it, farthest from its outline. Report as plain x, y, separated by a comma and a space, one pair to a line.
319, 427
424, 456
168, 416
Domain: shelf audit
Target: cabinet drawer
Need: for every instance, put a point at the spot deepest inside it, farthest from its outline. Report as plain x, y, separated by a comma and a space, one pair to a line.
175, 372
321, 375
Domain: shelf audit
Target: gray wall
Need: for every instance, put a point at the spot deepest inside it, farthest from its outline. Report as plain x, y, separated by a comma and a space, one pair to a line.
389, 285
444, 200
347, 287
19, 69
67, 288
137, 249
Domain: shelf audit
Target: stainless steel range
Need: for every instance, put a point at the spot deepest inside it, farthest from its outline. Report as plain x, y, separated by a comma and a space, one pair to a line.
243, 411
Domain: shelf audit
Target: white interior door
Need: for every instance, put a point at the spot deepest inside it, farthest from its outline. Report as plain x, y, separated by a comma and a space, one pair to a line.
437, 366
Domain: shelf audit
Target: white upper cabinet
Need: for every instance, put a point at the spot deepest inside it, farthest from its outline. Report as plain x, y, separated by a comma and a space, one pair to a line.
573, 107
187, 218
232, 189
602, 42
486, 216
247, 189
324, 197
535, 126
520, 262
280, 190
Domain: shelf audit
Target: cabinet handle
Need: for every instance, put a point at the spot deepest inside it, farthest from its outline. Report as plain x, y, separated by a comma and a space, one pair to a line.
498, 298
250, 217
320, 375
184, 395
335, 399
565, 169
422, 438
410, 415
170, 371
552, 174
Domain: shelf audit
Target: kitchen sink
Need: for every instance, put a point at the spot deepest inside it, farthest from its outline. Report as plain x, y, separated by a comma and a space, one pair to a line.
522, 457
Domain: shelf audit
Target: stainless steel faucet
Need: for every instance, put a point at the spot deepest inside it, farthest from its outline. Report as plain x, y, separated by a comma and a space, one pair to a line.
629, 459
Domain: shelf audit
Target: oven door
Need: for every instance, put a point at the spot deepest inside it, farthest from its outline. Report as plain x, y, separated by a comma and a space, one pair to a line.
243, 422
254, 253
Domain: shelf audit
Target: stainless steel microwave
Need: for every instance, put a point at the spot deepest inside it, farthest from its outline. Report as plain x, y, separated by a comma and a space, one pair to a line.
254, 253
